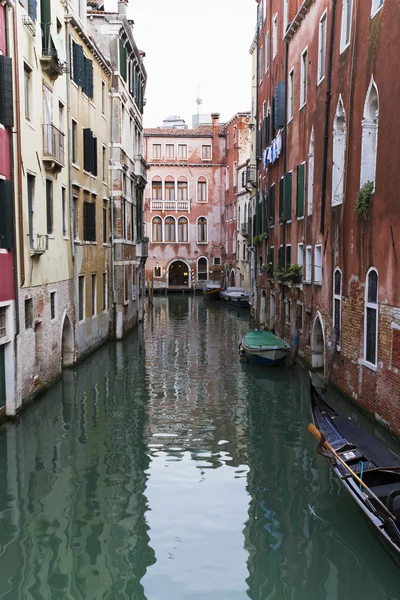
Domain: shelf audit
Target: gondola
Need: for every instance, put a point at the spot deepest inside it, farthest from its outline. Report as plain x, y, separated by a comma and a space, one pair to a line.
264, 347
368, 470
212, 291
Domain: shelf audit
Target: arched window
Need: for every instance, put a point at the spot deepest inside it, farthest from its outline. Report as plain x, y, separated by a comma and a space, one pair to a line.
371, 317
169, 188
339, 152
156, 188
310, 183
182, 229
182, 188
157, 229
245, 213
202, 269
337, 304
234, 243
238, 216
169, 228
369, 142
202, 195
202, 230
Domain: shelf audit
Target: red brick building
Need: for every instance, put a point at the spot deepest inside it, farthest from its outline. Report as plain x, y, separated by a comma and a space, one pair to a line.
184, 205
7, 255
327, 191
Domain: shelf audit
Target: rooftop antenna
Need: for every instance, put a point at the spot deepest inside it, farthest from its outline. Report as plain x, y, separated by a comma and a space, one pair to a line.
199, 101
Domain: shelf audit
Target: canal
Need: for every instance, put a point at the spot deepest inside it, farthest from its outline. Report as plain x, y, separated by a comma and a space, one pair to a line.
166, 468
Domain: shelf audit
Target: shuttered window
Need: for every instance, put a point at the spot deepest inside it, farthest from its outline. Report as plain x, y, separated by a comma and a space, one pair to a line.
6, 92
122, 60
32, 9
280, 105
77, 71
300, 191
270, 255
49, 206
281, 257
271, 206
87, 77
287, 200
89, 152
281, 198
6, 214
89, 221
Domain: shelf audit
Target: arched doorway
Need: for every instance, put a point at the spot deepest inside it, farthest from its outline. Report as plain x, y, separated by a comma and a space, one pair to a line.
317, 344
178, 274
232, 281
67, 343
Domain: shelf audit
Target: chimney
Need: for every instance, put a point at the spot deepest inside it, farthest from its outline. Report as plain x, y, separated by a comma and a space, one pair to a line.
123, 7
215, 128
215, 119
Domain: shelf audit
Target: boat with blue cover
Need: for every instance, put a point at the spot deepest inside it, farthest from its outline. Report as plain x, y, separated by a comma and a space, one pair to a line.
264, 347
236, 296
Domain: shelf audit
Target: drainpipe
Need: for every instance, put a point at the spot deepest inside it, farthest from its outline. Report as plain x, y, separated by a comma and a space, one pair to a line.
284, 171
19, 151
11, 147
327, 115
257, 136
69, 133
112, 208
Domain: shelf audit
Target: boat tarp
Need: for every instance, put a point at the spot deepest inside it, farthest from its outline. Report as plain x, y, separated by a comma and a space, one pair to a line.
258, 339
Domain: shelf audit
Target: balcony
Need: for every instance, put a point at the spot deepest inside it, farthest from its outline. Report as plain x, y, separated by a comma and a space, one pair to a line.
141, 168
142, 249
251, 177
49, 58
53, 148
169, 205
244, 230
38, 244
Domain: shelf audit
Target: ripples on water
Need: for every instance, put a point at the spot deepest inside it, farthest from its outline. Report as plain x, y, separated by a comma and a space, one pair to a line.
165, 468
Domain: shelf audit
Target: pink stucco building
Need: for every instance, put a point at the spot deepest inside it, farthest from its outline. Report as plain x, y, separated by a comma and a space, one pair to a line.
184, 205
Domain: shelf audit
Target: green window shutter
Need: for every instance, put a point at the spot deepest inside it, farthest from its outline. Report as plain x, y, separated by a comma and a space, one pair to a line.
280, 105
281, 198
258, 143
270, 256
32, 9
122, 59
87, 150
94, 156
287, 199
288, 256
6, 92
6, 215
89, 221
45, 18
88, 77
78, 60
271, 206
281, 257
300, 191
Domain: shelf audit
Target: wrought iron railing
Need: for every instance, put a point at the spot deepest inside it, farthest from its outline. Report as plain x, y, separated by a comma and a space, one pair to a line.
53, 143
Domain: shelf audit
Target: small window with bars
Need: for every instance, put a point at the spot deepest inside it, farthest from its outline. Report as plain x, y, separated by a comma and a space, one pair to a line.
3, 325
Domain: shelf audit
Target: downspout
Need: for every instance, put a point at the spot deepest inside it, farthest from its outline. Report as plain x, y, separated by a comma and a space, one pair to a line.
11, 147
327, 115
284, 172
257, 163
112, 207
69, 132
19, 152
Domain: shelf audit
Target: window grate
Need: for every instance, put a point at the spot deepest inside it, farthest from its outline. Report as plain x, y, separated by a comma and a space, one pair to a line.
3, 327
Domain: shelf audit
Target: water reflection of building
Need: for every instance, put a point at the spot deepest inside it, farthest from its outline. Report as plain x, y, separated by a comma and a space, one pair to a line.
73, 504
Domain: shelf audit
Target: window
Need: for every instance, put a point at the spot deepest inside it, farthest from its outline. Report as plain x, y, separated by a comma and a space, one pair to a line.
169, 228
31, 207
260, 62
77, 63
308, 264
202, 230
290, 107
318, 264
74, 142
182, 189
217, 260
227, 178
275, 36
49, 206
105, 164
206, 152
299, 316
157, 229
126, 282
287, 311
52, 305
31, 9
157, 270
156, 188
64, 211
3, 321
202, 269
300, 190
339, 151
170, 189
182, 229
89, 152
369, 141
270, 255
75, 217
310, 183
182, 151
285, 16
61, 112
156, 150
169, 151
103, 97
303, 81
123, 60
104, 223
81, 297
266, 48
28, 313
234, 174
288, 255
89, 221
6, 79
371, 317
300, 255
322, 48
105, 292
94, 308
28, 92
347, 9
271, 207
375, 6
337, 304
87, 87
202, 195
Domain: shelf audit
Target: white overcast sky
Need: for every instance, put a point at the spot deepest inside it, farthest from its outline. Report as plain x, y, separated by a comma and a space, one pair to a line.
188, 43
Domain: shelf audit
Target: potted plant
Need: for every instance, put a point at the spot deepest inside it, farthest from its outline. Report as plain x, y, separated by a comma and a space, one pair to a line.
267, 268
294, 273
364, 199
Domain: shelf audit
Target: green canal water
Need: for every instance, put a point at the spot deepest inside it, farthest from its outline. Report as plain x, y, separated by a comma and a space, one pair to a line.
166, 468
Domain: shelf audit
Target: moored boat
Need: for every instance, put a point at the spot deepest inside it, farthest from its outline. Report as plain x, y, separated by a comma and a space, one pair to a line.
212, 291
237, 296
264, 347
366, 468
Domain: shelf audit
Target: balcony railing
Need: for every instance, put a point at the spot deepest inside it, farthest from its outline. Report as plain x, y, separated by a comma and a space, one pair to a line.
38, 243
53, 145
170, 205
251, 176
49, 58
141, 167
244, 230
142, 249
